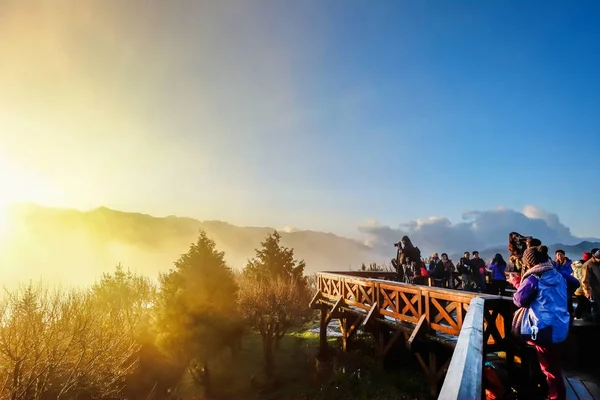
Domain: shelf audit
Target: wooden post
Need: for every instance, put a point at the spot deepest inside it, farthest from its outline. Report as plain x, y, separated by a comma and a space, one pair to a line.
509, 345
344, 330
432, 371
323, 332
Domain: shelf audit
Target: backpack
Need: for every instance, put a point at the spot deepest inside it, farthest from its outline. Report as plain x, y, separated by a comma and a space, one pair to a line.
547, 323
496, 383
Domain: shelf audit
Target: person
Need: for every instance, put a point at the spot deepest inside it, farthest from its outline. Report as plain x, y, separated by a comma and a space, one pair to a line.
564, 267
437, 270
562, 263
543, 319
449, 269
478, 271
517, 244
583, 304
465, 270
591, 282
396, 263
498, 269
410, 257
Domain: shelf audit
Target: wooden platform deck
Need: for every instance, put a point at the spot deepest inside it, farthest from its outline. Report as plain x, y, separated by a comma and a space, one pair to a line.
581, 386
452, 333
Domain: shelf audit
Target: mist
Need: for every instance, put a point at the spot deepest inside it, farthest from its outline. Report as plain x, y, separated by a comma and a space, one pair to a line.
73, 248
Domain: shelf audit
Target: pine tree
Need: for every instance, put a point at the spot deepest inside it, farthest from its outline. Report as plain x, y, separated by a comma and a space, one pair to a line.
198, 307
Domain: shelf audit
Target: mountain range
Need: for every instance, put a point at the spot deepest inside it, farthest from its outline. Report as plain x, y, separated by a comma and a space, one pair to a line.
74, 247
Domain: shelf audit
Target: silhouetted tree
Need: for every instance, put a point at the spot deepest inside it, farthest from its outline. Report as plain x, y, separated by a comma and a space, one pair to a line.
374, 267
274, 261
197, 308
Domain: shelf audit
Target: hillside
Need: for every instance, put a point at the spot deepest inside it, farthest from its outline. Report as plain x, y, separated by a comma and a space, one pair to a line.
74, 247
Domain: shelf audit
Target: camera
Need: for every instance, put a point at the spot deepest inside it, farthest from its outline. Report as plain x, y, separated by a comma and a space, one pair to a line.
399, 244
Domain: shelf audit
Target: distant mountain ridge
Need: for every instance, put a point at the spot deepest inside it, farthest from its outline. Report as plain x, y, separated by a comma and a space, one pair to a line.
73, 247
111, 236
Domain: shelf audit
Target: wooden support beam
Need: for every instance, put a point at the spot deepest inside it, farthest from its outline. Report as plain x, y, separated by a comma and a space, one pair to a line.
422, 363
373, 313
323, 332
354, 326
391, 342
334, 310
422, 323
315, 299
344, 331
432, 373
442, 371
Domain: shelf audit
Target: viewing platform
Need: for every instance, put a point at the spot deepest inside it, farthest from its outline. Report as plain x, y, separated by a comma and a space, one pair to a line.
452, 333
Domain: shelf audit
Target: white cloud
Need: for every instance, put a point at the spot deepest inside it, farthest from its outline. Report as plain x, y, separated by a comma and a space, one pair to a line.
477, 231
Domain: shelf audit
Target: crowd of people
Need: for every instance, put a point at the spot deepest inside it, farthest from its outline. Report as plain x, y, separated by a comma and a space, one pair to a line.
545, 289
468, 274
473, 273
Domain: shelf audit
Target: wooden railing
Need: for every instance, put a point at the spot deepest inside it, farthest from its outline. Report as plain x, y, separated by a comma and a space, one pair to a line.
394, 311
443, 309
465, 372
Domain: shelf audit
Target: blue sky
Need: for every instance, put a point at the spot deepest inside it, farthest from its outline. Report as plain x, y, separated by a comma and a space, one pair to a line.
322, 114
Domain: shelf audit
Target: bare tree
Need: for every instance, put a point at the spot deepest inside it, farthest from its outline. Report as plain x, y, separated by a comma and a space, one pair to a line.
272, 308
56, 344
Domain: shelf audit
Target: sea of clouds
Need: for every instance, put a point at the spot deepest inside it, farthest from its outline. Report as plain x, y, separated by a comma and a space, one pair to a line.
477, 230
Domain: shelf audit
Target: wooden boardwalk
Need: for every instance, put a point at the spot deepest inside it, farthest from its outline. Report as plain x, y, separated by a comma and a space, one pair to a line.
582, 387
427, 320
452, 333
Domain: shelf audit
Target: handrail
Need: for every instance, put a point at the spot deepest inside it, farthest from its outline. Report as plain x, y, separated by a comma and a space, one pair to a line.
482, 322
465, 372
403, 301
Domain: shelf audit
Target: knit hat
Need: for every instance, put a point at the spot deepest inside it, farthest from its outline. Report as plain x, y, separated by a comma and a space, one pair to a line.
535, 255
597, 254
586, 256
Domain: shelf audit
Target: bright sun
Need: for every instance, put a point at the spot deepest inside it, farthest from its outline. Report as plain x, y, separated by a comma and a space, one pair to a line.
17, 184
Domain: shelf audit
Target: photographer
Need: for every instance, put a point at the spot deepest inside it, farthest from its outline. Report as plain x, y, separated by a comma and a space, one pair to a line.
397, 264
407, 255
517, 244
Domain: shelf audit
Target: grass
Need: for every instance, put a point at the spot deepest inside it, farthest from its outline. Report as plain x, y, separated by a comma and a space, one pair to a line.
299, 375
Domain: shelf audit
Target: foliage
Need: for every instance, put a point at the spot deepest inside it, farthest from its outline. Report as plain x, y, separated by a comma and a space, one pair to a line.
196, 308
273, 261
57, 344
133, 295
124, 337
274, 294
272, 308
374, 267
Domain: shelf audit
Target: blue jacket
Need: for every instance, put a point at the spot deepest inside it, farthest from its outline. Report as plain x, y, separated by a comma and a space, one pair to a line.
543, 291
498, 272
566, 270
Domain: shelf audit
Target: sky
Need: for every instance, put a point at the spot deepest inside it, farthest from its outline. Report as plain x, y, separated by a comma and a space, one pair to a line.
335, 115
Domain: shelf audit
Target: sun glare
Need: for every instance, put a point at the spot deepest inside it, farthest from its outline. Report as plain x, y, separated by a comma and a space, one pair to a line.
19, 185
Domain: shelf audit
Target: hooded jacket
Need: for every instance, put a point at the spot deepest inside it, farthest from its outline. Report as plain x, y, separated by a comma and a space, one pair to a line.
590, 280
543, 291
578, 274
